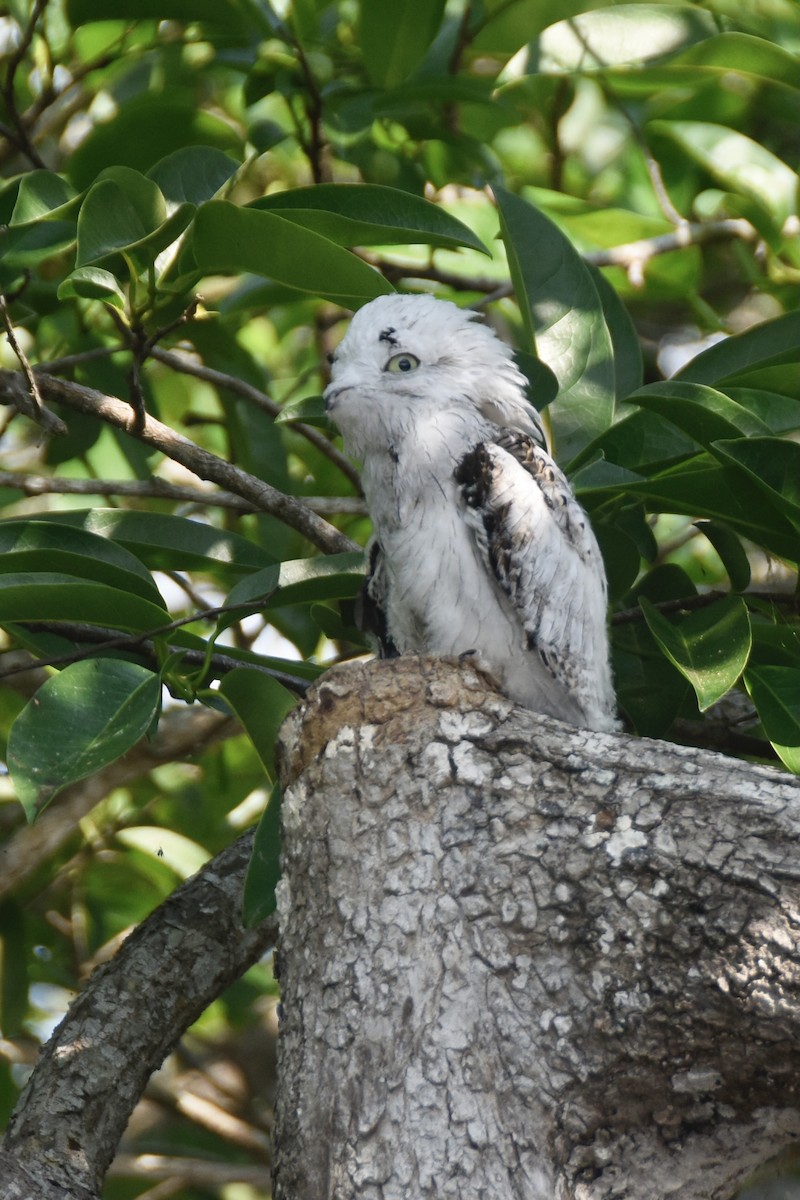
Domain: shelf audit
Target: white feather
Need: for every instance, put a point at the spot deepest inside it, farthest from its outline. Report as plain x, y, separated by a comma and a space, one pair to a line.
483, 547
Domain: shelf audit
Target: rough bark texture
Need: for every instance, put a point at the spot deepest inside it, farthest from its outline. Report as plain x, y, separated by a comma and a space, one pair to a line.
66, 1127
524, 961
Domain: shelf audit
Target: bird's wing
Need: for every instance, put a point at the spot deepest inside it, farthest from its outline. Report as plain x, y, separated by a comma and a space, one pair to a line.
372, 603
536, 541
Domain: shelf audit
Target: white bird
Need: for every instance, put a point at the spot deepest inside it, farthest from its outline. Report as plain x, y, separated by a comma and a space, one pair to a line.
479, 544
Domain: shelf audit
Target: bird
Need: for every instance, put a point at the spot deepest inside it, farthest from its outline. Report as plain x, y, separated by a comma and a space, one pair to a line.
479, 545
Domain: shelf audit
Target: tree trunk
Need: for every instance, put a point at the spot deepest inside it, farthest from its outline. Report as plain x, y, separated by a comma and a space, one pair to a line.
520, 960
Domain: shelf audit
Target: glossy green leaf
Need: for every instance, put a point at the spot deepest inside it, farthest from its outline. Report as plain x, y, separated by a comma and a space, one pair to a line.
264, 869
394, 37
564, 319
43, 195
775, 691
367, 214
50, 596
738, 162
56, 547
772, 463
92, 283
732, 55
701, 489
164, 542
227, 238
709, 647
734, 355
125, 211
779, 413
192, 175
729, 547
328, 577
261, 704
79, 721
620, 34
704, 413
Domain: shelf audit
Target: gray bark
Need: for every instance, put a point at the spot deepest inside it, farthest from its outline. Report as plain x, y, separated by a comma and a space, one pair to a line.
66, 1127
524, 961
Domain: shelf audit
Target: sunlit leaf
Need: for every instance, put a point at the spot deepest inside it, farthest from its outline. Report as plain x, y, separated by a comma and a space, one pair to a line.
366, 214
174, 850
564, 318
704, 413
620, 34
43, 195
775, 691
79, 721
92, 283
709, 647
734, 355
50, 596
228, 238
328, 577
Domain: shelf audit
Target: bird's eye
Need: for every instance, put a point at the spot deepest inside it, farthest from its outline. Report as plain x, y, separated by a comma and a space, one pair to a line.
401, 364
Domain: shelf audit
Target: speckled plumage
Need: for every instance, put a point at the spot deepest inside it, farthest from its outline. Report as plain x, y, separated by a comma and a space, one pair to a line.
480, 544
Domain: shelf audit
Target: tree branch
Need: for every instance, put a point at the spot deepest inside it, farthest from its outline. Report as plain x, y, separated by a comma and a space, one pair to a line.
202, 462
185, 365
91, 1073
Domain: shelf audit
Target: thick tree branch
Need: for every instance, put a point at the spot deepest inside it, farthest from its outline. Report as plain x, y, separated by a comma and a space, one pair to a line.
93, 1070
201, 462
524, 960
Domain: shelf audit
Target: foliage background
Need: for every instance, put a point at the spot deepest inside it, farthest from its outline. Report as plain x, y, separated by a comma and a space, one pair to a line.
195, 195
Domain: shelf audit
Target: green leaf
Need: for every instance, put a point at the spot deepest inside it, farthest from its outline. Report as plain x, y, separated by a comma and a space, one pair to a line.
192, 175
366, 214
261, 704
564, 318
84, 718
709, 647
310, 409
125, 211
92, 283
737, 162
50, 596
734, 355
264, 869
146, 128
705, 414
731, 552
227, 238
700, 489
43, 195
394, 37
629, 34
30, 546
164, 542
772, 463
775, 691
299, 581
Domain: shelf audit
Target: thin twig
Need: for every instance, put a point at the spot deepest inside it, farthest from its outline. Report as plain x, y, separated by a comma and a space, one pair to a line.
21, 137
22, 358
100, 638
629, 616
42, 485
187, 366
201, 462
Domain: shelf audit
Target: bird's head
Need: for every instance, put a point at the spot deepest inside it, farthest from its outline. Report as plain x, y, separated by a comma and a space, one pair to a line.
405, 357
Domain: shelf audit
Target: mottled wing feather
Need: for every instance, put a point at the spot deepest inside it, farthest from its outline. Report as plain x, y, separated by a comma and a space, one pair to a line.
372, 603
535, 539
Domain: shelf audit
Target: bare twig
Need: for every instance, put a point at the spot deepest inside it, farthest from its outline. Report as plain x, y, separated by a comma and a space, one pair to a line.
20, 135
41, 485
202, 462
33, 387
187, 366
14, 392
190, 1172
784, 600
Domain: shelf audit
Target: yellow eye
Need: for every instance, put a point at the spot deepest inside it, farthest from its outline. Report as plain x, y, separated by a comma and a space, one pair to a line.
401, 364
